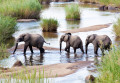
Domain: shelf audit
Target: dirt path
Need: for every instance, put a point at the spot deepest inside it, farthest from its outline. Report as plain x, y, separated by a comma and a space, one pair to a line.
86, 29
53, 70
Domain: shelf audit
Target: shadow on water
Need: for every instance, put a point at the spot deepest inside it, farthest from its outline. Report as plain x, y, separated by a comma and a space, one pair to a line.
73, 24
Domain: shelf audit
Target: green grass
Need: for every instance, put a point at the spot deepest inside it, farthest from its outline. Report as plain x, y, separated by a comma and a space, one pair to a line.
7, 27
110, 2
116, 28
21, 9
72, 12
49, 25
3, 52
110, 67
24, 76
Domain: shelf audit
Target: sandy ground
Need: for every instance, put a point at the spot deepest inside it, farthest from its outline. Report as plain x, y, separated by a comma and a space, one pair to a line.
86, 29
54, 70
60, 69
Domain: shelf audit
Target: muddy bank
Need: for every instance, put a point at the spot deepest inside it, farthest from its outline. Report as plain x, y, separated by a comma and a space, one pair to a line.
86, 29
61, 69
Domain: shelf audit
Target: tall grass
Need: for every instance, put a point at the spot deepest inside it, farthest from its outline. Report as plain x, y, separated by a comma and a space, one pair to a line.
7, 27
3, 51
110, 67
21, 9
72, 12
25, 77
116, 28
110, 2
49, 25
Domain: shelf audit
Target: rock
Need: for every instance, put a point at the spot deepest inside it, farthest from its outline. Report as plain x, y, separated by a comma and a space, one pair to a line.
17, 63
103, 8
90, 79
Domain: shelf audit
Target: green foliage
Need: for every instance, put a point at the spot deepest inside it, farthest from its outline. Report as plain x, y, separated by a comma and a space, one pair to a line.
110, 67
24, 76
21, 9
49, 25
72, 12
108, 2
7, 27
3, 52
116, 28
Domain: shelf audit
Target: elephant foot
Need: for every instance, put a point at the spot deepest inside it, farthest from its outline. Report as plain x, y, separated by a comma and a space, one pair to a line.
42, 50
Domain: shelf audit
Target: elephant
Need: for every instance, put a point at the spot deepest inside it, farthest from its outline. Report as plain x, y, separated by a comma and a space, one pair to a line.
35, 40
99, 41
71, 41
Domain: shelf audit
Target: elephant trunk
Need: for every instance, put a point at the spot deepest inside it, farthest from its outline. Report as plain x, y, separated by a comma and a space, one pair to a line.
60, 44
86, 46
15, 47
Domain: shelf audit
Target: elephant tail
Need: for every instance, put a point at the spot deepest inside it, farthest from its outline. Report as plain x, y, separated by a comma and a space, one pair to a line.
46, 42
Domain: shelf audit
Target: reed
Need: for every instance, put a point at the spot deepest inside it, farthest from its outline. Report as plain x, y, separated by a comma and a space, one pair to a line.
7, 27
110, 67
116, 28
21, 9
72, 12
49, 25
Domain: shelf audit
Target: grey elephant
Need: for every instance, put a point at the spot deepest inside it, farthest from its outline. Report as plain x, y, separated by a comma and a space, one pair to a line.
99, 41
71, 41
30, 40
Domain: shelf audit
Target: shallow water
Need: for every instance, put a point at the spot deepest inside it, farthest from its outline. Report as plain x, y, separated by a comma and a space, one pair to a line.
89, 16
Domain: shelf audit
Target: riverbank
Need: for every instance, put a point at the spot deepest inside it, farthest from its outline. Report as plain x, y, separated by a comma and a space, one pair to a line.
54, 70
86, 29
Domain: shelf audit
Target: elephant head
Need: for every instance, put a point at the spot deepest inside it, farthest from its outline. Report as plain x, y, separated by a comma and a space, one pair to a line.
89, 39
23, 37
64, 38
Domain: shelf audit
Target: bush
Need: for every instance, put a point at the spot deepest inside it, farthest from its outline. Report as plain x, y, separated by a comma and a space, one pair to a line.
116, 28
49, 25
110, 67
21, 9
72, 12
7, 27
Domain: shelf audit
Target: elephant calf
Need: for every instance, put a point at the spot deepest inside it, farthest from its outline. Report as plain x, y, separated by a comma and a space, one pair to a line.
99, 41
71, 41
30, 40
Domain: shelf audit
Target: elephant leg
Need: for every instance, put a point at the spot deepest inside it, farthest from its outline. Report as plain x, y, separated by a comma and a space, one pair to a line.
42, 50
25, 48
102, 49
67, 48
74, 50
81, 47
31, 49
95, 49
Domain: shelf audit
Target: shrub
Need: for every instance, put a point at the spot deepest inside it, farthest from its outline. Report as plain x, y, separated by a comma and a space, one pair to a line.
49, 25
110, 67
7, 27
72, 12
21, 9
116, 28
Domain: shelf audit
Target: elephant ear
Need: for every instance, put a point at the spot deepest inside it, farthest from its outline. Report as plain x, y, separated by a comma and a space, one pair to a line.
66, 38
26, 37
91, 37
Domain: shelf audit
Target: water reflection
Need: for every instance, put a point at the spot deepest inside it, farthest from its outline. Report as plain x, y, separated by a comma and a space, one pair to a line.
38, 60
70, 58
49, 35
10, 42
73, 24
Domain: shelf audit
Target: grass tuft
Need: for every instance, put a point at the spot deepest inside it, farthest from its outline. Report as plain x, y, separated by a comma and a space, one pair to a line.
49, 25
21, 9
7, 27
110, 67
116, 28
72, 12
